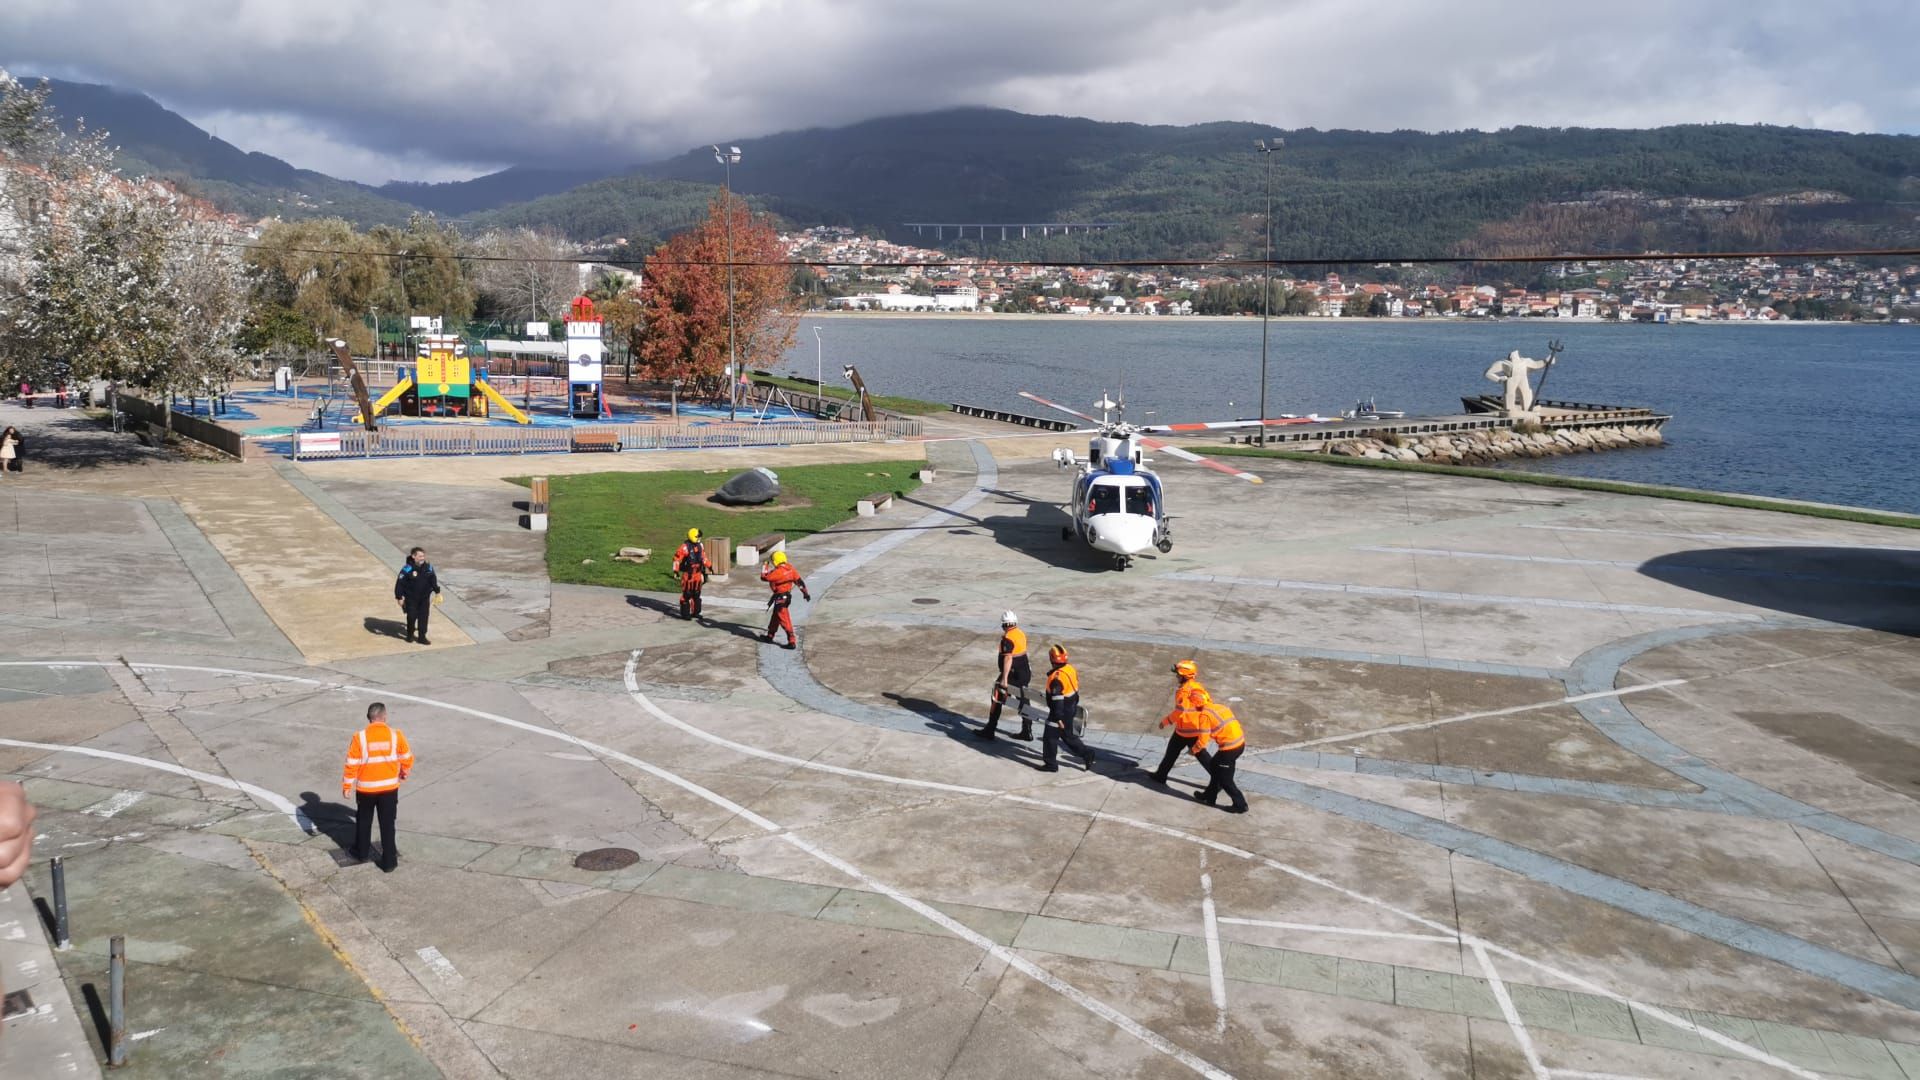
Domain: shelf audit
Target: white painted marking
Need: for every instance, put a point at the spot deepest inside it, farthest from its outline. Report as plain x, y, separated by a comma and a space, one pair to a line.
1459, 597
1650, 1011
1582, 1074
441, 967
992, 948
276, 801
1352, 931
1725, 537
561, 755
1513, 1015
1622, 691
148, 1034
1216, 972
115, 805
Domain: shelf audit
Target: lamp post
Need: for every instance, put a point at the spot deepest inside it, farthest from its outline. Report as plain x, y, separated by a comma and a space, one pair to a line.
1262, 147
728, 158
818, 385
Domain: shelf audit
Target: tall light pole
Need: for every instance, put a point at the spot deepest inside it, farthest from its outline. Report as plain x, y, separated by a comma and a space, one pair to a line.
728, 158
1262, 147
820, 389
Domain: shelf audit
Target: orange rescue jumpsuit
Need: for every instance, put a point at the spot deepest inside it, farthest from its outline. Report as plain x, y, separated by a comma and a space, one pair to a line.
782, 579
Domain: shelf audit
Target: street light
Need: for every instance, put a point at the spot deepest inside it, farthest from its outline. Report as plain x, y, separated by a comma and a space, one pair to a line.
728, 158
1262, 147
818, 385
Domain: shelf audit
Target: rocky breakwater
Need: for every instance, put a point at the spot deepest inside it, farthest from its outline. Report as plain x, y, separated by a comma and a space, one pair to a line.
1488, 445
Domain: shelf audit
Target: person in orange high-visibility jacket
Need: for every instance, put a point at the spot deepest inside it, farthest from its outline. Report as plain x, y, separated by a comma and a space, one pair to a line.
1189, 718
378, 759
1228, 742
690, 562
781, 577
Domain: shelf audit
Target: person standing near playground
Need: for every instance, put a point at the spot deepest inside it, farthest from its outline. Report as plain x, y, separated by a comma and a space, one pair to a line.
416, 589
9, 450
781, 577
690, 562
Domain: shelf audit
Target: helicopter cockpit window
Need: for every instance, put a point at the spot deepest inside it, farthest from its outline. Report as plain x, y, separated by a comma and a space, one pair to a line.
1140, 501
1103, 499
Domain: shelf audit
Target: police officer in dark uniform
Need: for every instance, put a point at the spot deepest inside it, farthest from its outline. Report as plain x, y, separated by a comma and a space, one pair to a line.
415, 589
1063, 707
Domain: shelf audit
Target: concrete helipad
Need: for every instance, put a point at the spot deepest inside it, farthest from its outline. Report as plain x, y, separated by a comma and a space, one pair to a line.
1544, 784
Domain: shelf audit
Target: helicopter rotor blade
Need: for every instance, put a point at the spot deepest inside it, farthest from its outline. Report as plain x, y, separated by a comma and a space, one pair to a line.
1188, 455
1061, 408
1227, 425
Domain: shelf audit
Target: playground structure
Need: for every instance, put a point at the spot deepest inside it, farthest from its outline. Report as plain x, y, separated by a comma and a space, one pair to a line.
586, 392
444, 384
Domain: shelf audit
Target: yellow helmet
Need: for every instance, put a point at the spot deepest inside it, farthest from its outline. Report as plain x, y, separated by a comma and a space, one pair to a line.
694, 535
779, 558
1186, 669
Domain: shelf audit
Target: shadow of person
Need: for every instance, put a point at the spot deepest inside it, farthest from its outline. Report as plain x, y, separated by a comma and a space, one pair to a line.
671, 609
957, 727
1872, 588
392, 628
333, 820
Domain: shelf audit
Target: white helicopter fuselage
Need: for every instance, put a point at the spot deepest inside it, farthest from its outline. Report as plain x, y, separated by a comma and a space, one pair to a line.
1117, 503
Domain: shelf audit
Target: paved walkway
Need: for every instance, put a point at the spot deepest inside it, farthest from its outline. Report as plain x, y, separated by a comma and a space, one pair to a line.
1546, 784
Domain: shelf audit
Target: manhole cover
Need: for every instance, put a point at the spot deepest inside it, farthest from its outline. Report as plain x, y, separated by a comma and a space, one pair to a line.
925, 600
606, 858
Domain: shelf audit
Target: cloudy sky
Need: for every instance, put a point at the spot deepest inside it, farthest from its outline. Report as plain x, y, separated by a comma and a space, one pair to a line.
442, 89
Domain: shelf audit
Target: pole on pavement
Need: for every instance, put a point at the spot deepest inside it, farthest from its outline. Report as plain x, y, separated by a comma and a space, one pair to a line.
117, 1002
1266, 279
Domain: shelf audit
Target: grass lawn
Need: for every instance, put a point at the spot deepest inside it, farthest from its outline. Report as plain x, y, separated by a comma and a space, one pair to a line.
804, 390
1580, 483
594, 515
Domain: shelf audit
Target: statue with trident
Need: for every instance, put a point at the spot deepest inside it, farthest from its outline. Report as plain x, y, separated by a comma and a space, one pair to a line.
1513, 370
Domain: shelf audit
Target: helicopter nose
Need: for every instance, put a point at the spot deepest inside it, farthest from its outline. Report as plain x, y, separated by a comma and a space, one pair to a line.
1122, 534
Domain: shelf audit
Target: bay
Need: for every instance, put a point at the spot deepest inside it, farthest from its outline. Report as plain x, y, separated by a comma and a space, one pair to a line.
1818, 412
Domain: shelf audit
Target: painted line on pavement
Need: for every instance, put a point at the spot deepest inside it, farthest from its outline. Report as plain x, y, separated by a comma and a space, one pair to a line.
1206, 843
441, 967
1637, 564
1441, 596
1352, 931
1510, 710
1512, 1015
1782, 541
1203, 644
1216, 972
1012, 959
278, 802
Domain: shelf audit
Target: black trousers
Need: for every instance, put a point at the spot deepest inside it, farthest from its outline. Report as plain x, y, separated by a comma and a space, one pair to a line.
384, 804
1016, 688
1177, 744
417, 612
1056, 733
1220, 771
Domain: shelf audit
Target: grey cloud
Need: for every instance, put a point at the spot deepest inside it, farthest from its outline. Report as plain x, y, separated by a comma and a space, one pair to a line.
442, 87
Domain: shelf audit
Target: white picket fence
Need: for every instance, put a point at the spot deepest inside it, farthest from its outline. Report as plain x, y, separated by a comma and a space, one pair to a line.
430, 441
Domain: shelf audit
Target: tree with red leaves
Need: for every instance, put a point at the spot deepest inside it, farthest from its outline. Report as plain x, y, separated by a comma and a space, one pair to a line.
684, 336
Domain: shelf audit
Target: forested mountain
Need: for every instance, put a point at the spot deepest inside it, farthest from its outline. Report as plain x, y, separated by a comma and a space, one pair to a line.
519, 184
1200, 189
151, 140
1194, 191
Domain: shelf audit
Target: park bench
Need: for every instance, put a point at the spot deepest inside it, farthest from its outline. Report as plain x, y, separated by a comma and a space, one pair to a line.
758, 548
590, 439
878, 502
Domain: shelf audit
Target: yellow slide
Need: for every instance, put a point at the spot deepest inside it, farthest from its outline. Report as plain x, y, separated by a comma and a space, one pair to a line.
388, 398
505, 405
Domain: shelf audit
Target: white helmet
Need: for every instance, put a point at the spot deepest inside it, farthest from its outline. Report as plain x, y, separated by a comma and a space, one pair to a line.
1008, 618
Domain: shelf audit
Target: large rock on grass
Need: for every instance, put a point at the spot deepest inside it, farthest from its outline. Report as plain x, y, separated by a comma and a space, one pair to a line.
751, 488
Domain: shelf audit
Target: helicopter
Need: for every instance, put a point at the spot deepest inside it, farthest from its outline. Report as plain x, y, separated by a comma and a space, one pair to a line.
1119, 505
